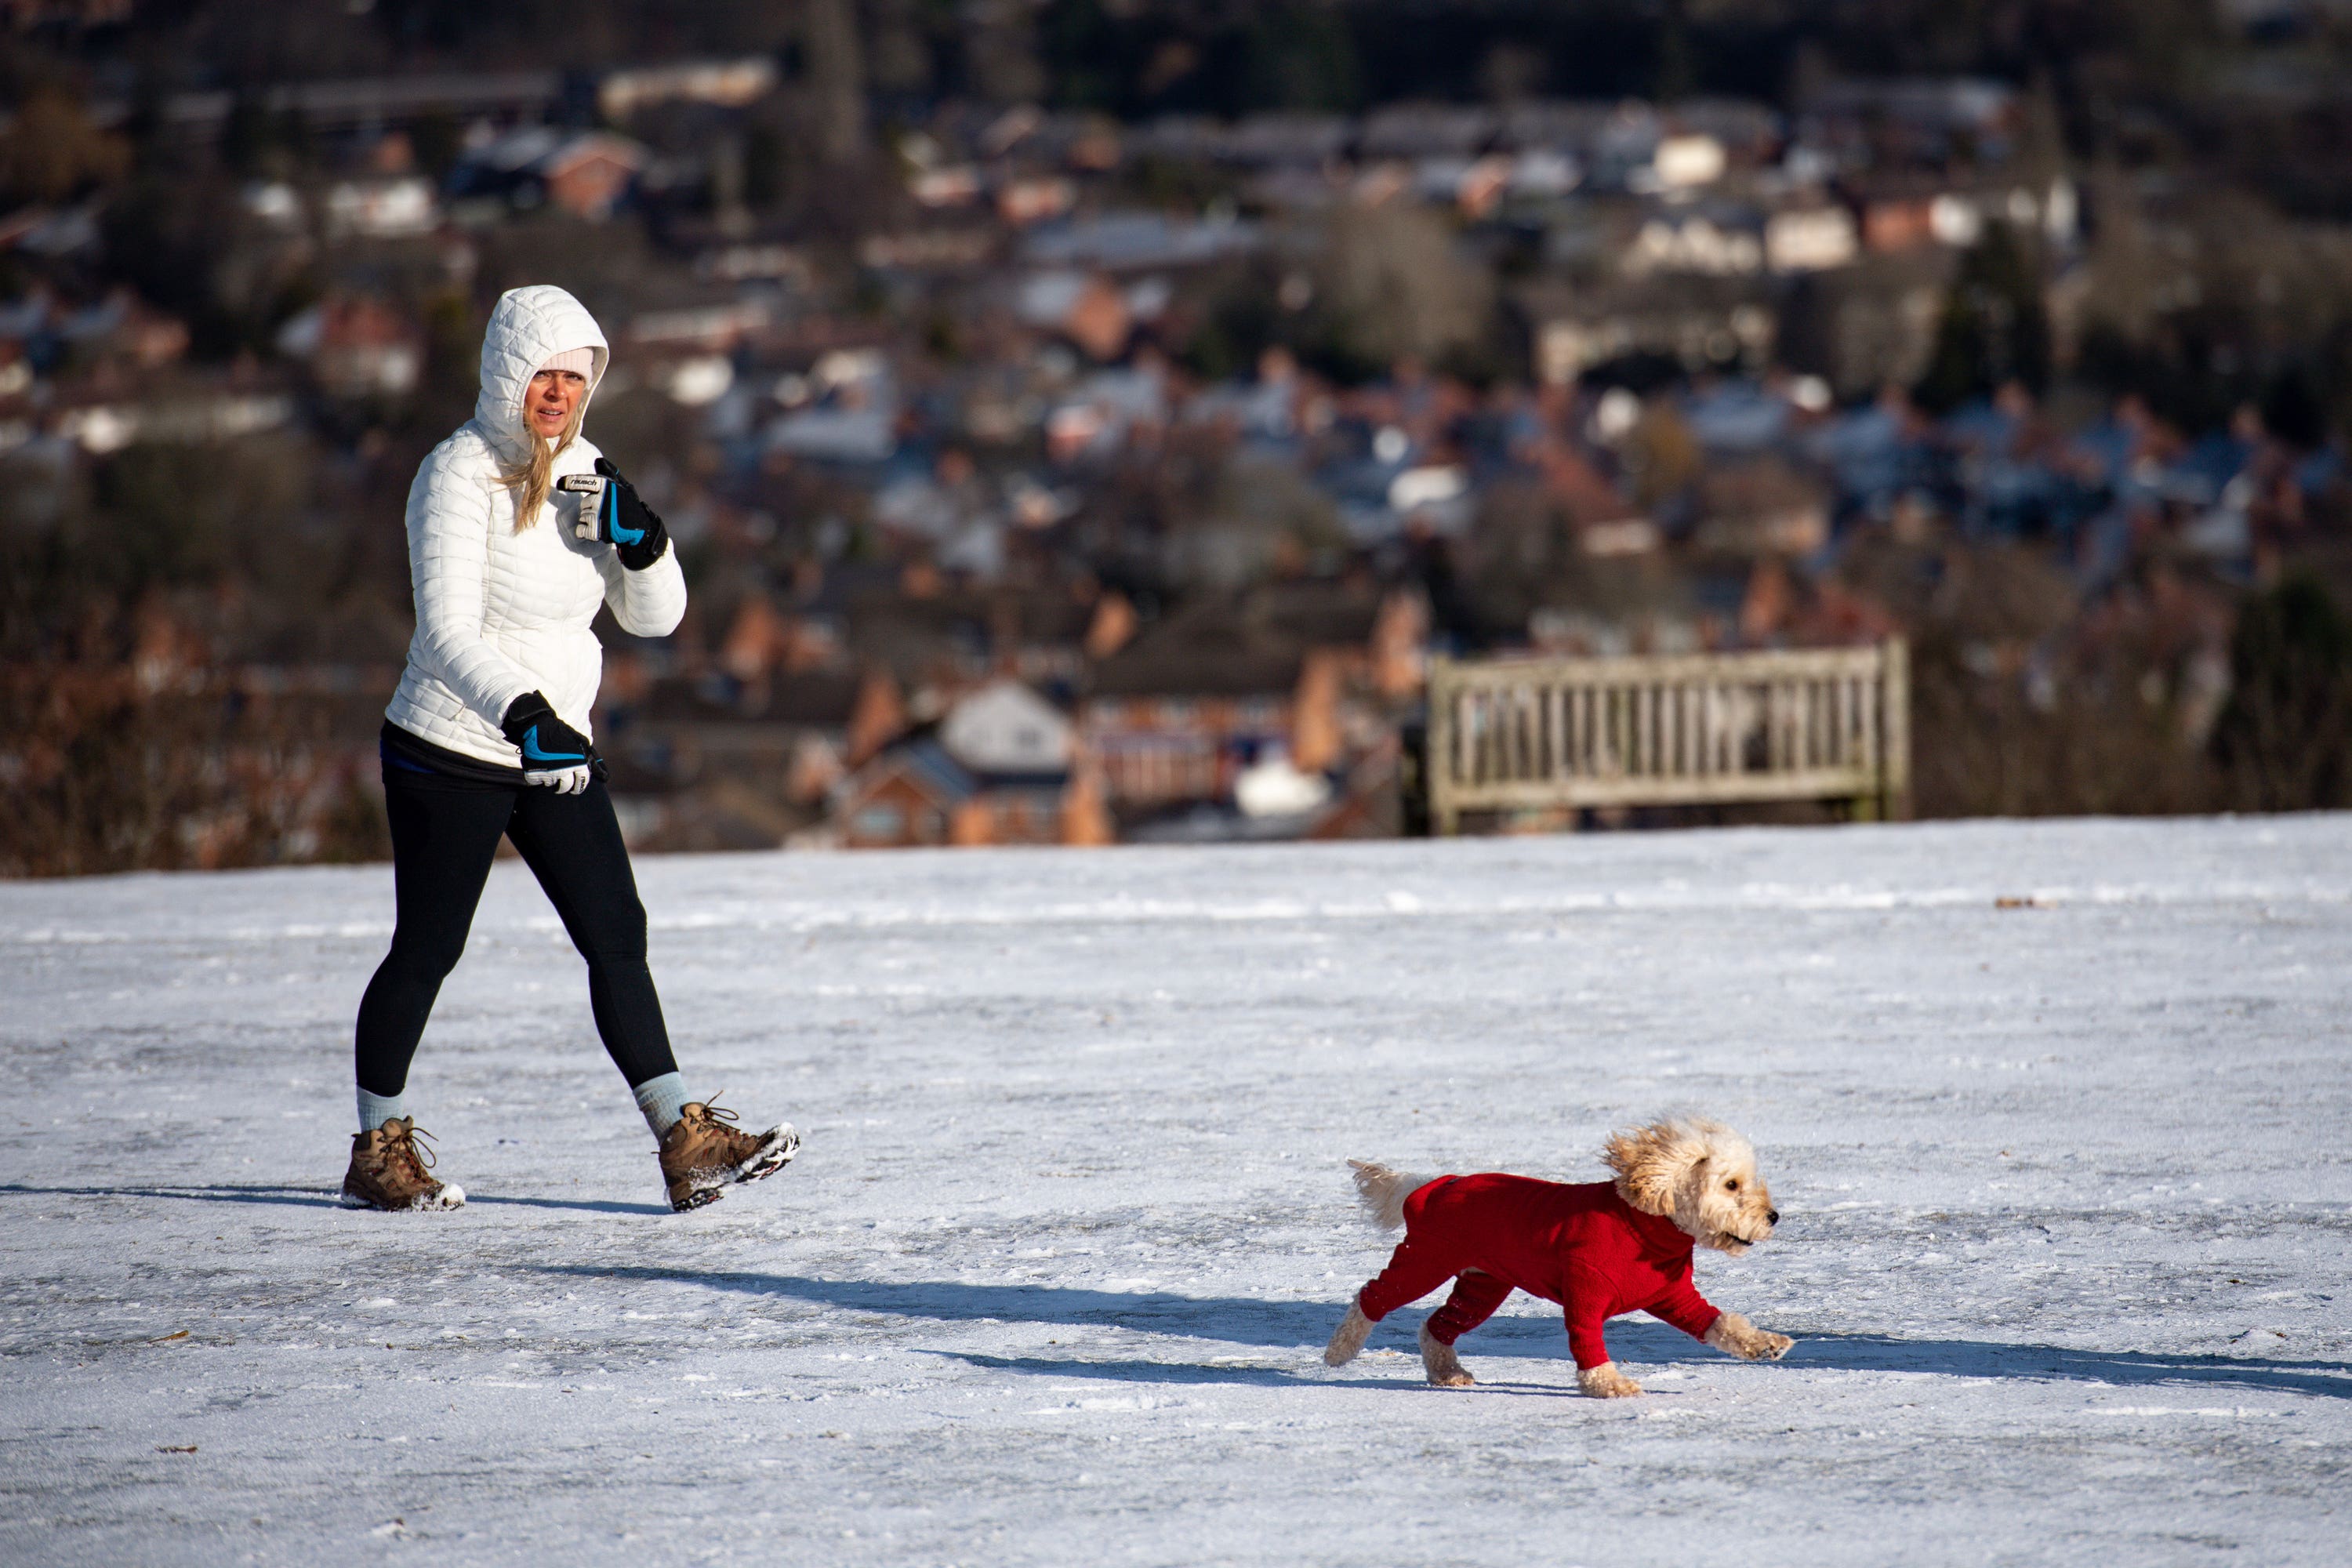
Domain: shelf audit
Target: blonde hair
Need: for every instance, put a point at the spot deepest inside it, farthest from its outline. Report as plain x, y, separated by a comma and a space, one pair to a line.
535, 475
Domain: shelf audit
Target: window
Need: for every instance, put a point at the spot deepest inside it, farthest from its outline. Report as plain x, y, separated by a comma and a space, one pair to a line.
878, 822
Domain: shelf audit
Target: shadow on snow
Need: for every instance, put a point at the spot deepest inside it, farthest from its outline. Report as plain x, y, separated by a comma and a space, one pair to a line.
1295, 1325
1131, 1370
307, 1197
1205, 1372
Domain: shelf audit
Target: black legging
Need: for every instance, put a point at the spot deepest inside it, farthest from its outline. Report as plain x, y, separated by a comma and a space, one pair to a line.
445, 834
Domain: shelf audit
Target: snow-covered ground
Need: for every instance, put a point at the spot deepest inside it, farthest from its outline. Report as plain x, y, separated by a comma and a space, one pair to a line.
2065, 1193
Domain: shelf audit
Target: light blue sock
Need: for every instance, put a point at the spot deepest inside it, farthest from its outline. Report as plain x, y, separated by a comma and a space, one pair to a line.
375, 1110
663, 1099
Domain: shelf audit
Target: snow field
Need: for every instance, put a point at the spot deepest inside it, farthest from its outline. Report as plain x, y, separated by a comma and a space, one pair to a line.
2064, 1189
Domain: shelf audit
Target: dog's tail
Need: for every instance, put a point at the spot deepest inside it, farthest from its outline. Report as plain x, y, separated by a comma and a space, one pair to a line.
1383, 1191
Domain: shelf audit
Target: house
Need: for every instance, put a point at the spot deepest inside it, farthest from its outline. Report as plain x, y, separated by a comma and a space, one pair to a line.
903, 801
1005, 728
715, 329
1762, 507
955, 636
119, 332
762, 640
1106, 410
1810, 238
356, 346
213, 415
1604, 522
1084, 142
588, 175
916, 797
1177, 714
729, 84
789, 737
1917, 120
382, 208
853, 420
1698, 320
1126, 242
1270, 140
929, 249
1087, 309
719, 762
1905, 212
1417, 130
1001, 767
1717, 242
1687, 160
1897, 220
1746, 131
957, 185
1291, 140
584, 172
1021, 203
1297, 670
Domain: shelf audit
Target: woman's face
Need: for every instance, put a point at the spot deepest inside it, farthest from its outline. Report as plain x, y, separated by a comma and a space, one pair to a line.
553, 394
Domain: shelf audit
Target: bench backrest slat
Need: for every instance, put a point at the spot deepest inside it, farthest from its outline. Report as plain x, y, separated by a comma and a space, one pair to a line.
1670, 729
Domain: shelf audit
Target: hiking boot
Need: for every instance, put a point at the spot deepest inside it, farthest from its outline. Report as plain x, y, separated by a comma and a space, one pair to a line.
389, 1169
703, 1154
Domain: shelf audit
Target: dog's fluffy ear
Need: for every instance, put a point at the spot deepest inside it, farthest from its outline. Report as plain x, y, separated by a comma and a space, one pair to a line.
1654, 1162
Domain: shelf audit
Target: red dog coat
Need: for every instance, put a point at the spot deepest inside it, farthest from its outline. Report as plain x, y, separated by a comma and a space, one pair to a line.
1580, 1245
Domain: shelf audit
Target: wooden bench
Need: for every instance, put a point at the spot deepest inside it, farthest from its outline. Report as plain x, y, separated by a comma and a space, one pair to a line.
1517, 734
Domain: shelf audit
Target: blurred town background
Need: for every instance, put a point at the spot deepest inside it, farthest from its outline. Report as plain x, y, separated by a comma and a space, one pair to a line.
1084, 420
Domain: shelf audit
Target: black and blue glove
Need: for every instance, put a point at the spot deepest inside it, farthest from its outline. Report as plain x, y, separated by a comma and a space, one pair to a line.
554, 754
624, 520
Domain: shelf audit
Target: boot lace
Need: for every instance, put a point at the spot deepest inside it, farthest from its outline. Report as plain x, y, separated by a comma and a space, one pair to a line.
717, 1132
405, 1148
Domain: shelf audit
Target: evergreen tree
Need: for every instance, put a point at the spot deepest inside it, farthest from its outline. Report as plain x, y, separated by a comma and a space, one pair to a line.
2285, 742
1995, 327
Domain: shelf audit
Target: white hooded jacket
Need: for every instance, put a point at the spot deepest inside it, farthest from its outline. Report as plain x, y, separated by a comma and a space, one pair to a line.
500, 610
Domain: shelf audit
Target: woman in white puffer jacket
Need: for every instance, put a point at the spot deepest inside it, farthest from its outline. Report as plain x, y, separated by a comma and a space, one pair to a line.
489, 736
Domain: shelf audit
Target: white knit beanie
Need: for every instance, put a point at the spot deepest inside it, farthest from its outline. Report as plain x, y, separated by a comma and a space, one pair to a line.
579, 362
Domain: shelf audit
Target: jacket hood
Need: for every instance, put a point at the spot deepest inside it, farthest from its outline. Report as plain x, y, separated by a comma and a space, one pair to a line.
529, 326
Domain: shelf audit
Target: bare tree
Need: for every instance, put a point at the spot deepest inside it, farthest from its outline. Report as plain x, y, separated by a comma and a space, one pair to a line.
836, 69
1395, 284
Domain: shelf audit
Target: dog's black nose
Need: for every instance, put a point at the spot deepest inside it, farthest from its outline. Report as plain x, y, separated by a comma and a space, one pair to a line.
1771, 1217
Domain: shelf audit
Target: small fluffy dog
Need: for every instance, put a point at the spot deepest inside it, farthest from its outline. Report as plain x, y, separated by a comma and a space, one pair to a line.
1597, 1248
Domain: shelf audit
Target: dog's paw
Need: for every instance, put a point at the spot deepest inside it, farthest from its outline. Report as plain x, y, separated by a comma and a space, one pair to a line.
1349, 1338
1735, 1335
1605, 1382
1444, 1368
